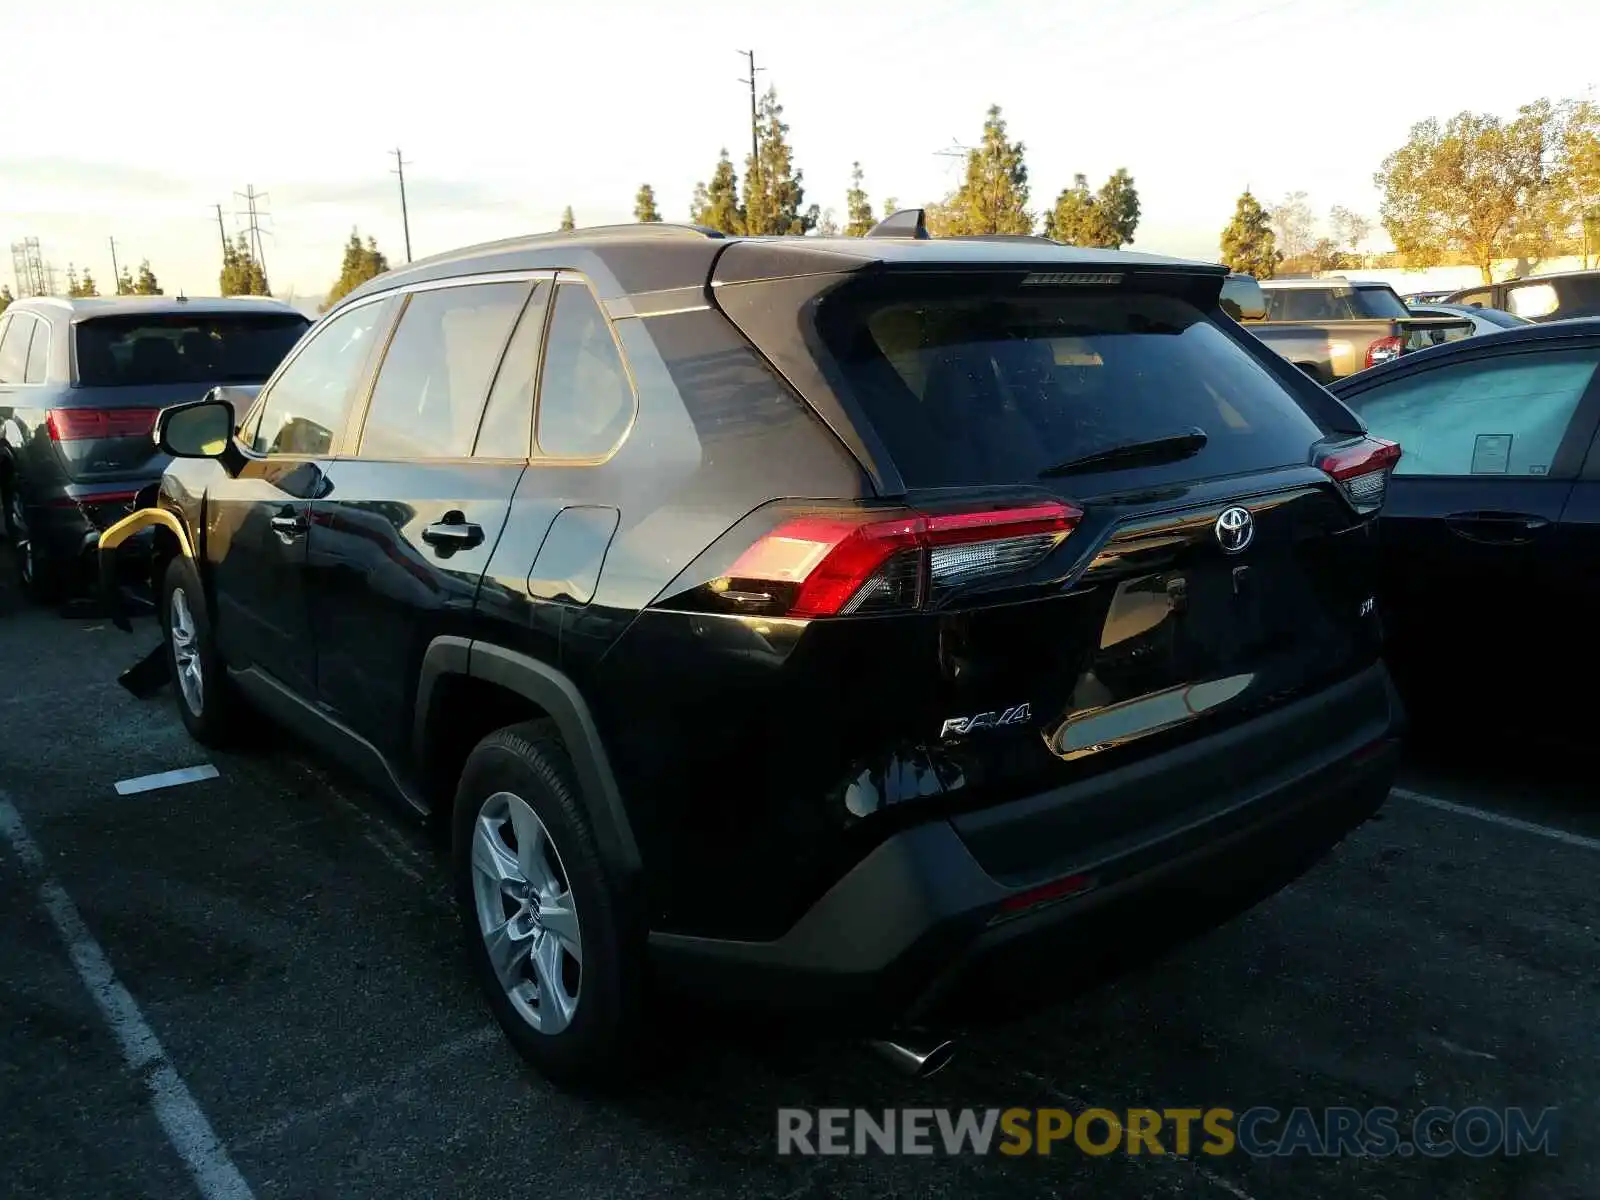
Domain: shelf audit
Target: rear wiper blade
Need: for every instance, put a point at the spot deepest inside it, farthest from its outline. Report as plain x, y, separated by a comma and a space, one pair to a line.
1146, 452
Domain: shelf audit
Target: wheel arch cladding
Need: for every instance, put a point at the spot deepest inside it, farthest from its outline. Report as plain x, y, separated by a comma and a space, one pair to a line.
557, 697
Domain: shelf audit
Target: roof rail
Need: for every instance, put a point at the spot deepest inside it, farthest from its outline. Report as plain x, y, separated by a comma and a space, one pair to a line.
1006, 237
906, 223
649, 228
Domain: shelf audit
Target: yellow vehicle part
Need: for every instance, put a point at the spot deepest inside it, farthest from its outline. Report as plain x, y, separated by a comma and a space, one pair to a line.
144, 518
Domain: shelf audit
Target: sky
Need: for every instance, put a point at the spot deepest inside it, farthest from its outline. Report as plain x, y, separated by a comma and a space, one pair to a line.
132, 120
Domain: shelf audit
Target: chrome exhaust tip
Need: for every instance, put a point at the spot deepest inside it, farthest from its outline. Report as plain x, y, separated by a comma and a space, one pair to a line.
917, 1057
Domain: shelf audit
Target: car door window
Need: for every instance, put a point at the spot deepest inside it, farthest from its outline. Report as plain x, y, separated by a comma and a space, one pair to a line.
1503, 416
14, 348
507, 429
38, 354
586, 399
306, 405
1532, 300
1478, 299
430, 389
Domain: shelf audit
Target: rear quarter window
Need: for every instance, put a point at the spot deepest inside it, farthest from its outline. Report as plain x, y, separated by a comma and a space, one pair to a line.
979, 390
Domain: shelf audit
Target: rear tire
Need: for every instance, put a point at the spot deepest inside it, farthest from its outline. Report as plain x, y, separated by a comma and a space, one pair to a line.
38, 575
206, 699
566, 977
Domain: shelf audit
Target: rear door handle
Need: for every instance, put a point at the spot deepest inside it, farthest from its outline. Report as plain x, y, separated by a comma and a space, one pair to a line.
455, 534
1497, 527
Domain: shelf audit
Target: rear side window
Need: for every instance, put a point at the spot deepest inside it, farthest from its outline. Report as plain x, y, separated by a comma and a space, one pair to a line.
14, 348
1309, 304
976, 390
585, 396
430, 390
39, 354
139, 351
1502, 417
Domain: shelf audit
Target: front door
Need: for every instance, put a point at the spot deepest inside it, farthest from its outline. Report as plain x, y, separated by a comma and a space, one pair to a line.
258, 519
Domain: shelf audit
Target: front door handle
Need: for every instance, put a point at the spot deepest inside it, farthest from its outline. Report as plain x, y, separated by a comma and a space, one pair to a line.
288, 524
455, 532
1500, 528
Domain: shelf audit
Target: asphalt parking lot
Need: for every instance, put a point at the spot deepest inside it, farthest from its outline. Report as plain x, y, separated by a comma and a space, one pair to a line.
251, 985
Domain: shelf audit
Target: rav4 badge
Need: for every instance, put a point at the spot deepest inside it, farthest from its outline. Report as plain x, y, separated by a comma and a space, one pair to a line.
1001, 719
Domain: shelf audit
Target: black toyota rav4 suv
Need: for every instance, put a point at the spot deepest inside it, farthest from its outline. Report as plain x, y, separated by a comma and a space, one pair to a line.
818, 624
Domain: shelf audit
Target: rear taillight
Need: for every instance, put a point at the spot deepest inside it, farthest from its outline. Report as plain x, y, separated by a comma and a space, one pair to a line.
1384, 350
1361, 469
81, 424
841, 563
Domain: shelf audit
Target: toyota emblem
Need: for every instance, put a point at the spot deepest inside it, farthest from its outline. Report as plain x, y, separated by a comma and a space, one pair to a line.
1235, 529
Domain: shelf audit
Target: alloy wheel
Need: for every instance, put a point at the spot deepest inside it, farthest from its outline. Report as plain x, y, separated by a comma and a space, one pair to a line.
526, 913
21, 540
186, 652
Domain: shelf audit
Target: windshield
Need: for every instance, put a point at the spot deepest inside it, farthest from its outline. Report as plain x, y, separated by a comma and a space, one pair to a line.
977, 390
131, 351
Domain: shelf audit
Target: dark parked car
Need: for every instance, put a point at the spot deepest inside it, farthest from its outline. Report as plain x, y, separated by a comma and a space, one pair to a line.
1484, 320
1555, 297
81, 382
1491, 532
808, 623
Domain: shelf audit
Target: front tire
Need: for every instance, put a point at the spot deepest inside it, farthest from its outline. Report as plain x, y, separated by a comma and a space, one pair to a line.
545, 927
206, 700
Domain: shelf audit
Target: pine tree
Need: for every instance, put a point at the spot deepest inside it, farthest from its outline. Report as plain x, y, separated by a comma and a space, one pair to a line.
773, 191
993, 198
86, 285
1248, 244
716, 205
568, 224
242, 275
5, 297
644, 205
857, 208
146, 284
362, 261
1119, 206
1077, 218
125, 283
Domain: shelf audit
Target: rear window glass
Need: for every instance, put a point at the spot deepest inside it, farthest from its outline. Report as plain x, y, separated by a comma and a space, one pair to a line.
1333, 304
142, 350
1379, 302
977, 390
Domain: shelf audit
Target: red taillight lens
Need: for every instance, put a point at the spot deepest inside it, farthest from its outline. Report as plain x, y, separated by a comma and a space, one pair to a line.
81, 424
1385, 349
1361, 469
838, 564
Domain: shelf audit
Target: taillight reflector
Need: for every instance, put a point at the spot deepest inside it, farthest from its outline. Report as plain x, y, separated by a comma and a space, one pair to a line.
82, 424
837, 564
1058, 889
1385, 349
1362, 471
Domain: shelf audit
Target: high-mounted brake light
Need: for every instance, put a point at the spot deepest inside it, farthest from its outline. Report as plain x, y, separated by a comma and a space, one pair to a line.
842, 563
1385, 349
1361, 470
80, 424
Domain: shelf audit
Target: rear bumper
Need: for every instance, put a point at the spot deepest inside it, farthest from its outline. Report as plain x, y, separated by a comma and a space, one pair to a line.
921, 917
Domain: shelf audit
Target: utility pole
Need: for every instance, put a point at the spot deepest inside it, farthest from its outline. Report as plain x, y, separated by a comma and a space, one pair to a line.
222, 232
405, 218
116, 273
755, 139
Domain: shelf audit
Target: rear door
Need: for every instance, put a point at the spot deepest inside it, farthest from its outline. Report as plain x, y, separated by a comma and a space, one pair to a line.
411, 514
1472, 530
257, 521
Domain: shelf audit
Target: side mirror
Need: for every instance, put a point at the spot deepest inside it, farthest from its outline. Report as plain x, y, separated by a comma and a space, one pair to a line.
1242, 298
202, 429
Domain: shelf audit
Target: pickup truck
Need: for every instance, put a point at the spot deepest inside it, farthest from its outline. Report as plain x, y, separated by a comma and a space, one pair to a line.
1333, 327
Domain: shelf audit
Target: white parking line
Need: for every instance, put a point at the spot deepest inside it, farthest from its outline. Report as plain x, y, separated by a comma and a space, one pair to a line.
165, 779
174, 1104
1494, 818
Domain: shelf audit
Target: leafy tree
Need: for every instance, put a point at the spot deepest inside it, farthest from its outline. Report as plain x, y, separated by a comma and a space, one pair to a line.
717, 205
362, 261
568, 224
1326, 255
1248, 244
1078, 218
826, 224
1349, 228
1578, 175
242, 275
993, 198
1476, 185
857, 208
125, 283
773, 191
5, 297
891, 205
644, 205
1119, 205
146, 284
1294, 226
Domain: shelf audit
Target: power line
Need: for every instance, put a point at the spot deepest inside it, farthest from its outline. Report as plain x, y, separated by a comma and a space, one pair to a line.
755, 137
251, 197
405, 218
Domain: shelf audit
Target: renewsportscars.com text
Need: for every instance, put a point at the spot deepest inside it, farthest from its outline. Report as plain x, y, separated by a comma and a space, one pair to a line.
1259, 1132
